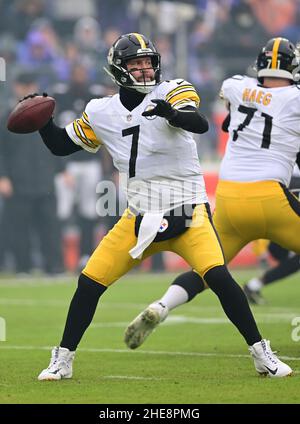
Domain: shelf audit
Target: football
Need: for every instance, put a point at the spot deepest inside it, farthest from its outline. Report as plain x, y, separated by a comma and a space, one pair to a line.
31, 114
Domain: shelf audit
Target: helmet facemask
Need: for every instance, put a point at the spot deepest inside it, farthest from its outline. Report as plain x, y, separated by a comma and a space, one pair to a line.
144, 86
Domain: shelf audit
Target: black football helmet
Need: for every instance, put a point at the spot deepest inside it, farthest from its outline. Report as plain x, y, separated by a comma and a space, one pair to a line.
278, 58
127, 47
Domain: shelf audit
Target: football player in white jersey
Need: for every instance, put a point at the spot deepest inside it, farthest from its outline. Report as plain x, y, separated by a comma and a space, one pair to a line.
147, 128
252, 199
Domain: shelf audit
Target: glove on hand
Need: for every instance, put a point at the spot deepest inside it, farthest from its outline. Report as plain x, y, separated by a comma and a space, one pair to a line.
162, 109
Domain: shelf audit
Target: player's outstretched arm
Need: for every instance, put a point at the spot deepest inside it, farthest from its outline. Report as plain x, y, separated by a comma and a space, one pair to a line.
188, 118
57, 140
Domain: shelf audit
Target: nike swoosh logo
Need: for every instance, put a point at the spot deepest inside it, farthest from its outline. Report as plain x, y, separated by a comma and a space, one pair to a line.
56, 371
272, 371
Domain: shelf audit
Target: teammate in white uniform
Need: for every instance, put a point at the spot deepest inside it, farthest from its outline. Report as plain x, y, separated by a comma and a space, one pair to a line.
147, 130
252, 199
264, 130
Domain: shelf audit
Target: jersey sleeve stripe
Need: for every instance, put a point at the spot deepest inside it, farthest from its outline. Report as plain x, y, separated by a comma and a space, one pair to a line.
84, 115
182, 87
86, 124
185, 102
77, 133
181, 91
88, 132
87, 129
86, 135
82, 131
185, 95
80, 137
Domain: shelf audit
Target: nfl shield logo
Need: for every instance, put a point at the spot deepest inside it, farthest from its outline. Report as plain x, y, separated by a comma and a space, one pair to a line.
163, 226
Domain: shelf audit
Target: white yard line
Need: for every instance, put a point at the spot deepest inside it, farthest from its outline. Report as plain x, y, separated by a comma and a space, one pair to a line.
272, 315
14, 281
38, 282
260, 317
5, 346
269, 312
32, 302
63, 303
182, 320
131, 377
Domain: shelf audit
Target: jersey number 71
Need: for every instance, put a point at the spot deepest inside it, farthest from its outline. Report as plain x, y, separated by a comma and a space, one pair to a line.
250, 111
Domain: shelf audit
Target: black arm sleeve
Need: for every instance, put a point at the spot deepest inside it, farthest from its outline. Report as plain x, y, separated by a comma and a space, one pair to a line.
298, 160
226, 123
57, 140
190, 119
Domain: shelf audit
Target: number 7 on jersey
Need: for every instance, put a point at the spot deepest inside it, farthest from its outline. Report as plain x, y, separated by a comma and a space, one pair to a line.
135, 132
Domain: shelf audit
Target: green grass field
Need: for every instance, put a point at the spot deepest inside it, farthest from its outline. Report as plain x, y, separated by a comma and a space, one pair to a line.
196, 356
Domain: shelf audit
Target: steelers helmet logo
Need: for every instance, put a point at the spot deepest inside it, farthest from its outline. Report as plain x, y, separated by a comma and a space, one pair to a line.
163, 225
147, 108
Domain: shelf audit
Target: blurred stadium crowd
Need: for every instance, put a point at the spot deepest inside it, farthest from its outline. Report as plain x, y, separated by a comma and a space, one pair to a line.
60, 47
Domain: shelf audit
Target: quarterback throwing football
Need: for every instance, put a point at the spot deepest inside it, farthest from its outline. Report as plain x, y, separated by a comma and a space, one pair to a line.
147, 128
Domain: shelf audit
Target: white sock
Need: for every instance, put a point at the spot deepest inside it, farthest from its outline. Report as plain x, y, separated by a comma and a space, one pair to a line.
255, 284
174, 296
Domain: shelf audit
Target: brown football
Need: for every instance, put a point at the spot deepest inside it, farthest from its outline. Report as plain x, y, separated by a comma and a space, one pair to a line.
31, 114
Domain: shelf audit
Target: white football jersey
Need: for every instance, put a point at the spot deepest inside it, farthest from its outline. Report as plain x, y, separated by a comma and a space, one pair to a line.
264, 131
155, 156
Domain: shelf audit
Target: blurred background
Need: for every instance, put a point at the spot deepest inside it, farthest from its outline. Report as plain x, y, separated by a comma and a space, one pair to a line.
48, 220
